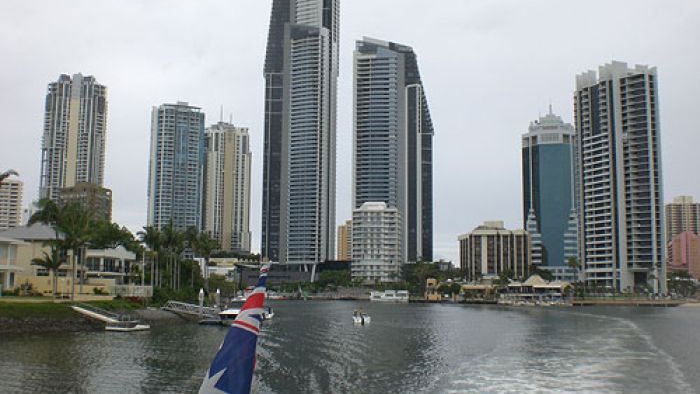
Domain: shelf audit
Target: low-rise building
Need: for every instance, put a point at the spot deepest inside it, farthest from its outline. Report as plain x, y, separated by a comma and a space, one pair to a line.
103, 271
377, 251
490, 250
8, 262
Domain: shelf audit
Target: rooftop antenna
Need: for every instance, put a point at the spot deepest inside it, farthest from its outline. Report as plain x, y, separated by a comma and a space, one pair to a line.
550, 106
230, 117
221, 115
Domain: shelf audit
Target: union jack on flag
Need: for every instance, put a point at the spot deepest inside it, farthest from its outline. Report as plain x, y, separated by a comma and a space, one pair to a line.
234, 364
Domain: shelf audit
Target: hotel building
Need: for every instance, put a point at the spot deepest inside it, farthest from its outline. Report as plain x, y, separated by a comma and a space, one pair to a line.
227, 186
619, 181
490, 250
75, 128
175, 166
392, 145
548, 196
301, 71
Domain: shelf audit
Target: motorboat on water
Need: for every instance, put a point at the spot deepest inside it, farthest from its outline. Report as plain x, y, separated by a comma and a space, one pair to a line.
389, 296
227, 316
126, 326
361, 318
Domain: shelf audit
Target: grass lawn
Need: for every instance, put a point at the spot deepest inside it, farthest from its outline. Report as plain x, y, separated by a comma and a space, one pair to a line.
46, 310
43, 307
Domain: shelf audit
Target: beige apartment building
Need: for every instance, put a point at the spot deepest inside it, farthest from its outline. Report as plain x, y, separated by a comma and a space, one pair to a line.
10, 203
491, 249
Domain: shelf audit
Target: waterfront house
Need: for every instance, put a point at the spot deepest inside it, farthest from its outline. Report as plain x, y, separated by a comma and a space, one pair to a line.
8, 263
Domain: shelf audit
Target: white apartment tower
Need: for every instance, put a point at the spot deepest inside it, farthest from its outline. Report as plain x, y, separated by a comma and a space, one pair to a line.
227, 186
377, 250
176, 166
618, 177
75, 127
10, 203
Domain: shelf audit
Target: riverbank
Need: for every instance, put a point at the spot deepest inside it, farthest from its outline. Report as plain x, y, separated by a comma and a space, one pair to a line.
42, 317
38, 316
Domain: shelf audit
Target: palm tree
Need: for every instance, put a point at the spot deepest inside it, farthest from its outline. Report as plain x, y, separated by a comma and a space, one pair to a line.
52, 263
173, 241
202, 244
71, 222
153, 239
76, 225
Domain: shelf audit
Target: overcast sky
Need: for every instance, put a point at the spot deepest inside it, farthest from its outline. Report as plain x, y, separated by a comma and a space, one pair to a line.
488, 67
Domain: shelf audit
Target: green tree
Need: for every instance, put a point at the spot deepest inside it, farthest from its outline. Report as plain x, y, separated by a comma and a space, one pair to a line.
202, 245
73, 228
51, 262
334, 279
153, 239
173, 243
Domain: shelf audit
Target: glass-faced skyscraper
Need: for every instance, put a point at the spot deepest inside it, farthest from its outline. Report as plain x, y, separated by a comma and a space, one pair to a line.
393, 132
619, 183
75, 127
301, 71
175, 166
548, 204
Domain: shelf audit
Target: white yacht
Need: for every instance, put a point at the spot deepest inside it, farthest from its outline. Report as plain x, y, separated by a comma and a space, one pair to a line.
389, 296
229, 315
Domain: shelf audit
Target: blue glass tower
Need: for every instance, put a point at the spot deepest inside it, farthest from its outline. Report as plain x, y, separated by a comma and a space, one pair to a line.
548, 206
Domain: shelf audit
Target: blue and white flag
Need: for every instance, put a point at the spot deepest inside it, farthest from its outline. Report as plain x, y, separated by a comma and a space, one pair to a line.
234, 364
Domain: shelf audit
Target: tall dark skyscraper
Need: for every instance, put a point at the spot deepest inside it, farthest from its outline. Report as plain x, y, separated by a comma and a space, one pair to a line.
393, 136
301, 70
548, 203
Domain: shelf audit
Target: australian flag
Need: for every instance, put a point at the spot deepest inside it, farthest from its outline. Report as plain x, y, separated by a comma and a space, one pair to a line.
232, 368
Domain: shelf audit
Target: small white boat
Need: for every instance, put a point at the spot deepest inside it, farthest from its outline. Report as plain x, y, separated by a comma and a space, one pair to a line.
127, 326
389, 296
268, 313
361, 318
229, 315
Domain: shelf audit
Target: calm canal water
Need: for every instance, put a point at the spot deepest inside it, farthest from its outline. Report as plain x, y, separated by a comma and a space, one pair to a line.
313, 347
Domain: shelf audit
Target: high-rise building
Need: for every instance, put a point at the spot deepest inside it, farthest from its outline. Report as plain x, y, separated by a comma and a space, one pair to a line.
345, 241
377, 253
682, 215
392, 146
96, 200
175, 166
684, 253
619, 183
301, 71
490, 250
227, 186
548, 196
75, 127
10, 203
